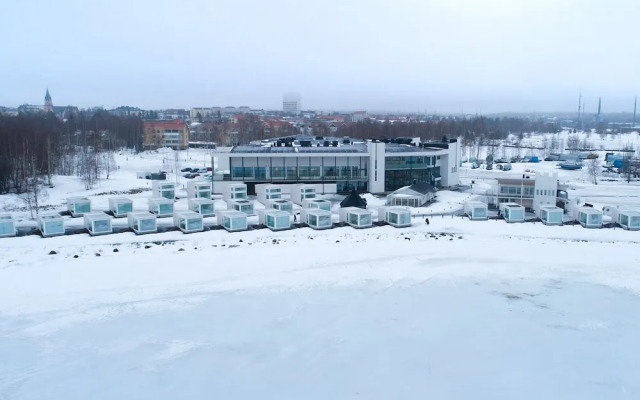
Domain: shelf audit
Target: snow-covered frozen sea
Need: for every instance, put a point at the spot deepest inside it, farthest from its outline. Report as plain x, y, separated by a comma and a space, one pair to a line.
453, 310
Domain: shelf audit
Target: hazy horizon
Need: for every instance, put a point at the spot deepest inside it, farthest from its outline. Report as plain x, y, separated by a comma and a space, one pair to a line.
406, 56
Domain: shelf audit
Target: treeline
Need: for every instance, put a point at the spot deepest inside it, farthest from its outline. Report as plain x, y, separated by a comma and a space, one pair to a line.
469, 130
36, 146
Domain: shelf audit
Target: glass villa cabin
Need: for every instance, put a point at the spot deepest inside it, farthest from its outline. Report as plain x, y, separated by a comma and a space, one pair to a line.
98, 224
188, 221
50, 225
232, 220
204, 207
551, 215
274, 219
234, 191
142, 222
589, 217
356, 217
316, 218
163, 189
161, 206
512, 212
78, 206
476, 210
299, 193
281, 205
629, 219
317, 203
7, 225
199, 190
244, 206
399, 217
268, 192
120, 206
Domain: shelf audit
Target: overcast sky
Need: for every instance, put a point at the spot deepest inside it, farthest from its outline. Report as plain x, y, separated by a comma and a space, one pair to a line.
444, 56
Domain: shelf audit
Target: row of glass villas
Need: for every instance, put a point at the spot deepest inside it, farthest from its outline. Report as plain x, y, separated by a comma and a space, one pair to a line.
347, 171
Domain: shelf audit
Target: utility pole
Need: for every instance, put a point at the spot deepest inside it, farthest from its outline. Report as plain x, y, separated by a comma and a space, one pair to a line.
635, 103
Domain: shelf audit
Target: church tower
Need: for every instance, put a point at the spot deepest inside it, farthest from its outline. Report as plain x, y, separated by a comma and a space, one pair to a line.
48, 104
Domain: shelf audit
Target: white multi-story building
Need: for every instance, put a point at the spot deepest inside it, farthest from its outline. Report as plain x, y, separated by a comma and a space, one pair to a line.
291, 103
367, 166
530, 191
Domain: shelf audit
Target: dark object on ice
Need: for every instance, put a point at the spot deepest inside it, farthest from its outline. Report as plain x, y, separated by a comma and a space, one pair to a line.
52, 253
353, 200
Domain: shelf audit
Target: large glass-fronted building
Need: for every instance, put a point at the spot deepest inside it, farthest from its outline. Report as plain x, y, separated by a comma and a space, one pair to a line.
367, 166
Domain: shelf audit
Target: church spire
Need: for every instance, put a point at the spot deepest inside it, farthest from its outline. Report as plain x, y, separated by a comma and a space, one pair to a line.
48, 104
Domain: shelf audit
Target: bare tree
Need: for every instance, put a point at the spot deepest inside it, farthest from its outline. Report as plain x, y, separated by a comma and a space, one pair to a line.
593, 167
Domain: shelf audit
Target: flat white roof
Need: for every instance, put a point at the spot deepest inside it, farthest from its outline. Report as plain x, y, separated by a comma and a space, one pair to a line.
142, 214
160, 200
232, 213
589, 210
318, 211
188, 214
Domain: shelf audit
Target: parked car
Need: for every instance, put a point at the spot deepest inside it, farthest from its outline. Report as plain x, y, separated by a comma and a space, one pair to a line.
185, 169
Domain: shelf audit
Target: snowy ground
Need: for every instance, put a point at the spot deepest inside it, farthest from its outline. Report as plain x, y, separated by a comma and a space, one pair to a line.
456, 309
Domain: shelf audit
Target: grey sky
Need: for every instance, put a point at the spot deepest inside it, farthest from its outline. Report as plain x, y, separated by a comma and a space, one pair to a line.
444, 56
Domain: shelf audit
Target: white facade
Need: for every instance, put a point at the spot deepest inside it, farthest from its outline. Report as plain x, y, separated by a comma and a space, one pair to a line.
7, 225
98, 224
50, 225
160, 206
546, 190
376, 166
78, 206
188, 221
120, 206
142, 222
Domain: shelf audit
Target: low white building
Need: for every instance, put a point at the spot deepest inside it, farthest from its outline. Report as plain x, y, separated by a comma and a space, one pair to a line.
234, 191
98, 224
188, 221
531, 191
415, 195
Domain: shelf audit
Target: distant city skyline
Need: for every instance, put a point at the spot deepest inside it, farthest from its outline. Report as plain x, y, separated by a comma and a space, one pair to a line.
395, 56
